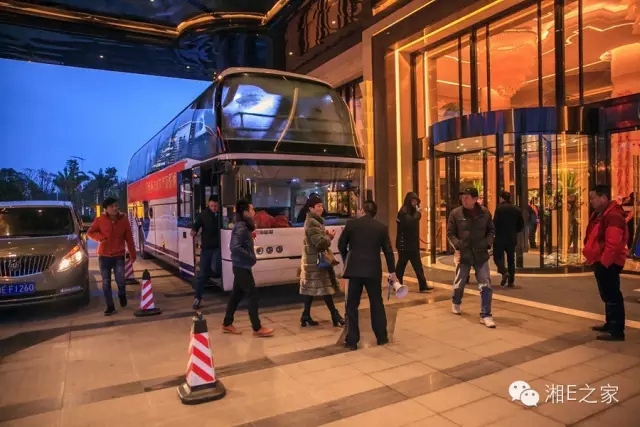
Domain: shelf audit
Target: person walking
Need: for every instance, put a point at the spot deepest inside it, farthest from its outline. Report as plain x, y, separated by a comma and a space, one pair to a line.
112, 231
605, 249
314, 281
360, 244
408, 240
243, 258
471, 232
209, 222
508, 221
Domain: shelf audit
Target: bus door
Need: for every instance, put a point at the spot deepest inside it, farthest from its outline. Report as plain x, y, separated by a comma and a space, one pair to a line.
197, 204
186, 256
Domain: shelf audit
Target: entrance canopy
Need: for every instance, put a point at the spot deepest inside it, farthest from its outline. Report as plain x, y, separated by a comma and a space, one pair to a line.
175, 38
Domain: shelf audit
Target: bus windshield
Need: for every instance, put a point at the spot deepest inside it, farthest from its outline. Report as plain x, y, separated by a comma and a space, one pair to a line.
279, 193
277, 108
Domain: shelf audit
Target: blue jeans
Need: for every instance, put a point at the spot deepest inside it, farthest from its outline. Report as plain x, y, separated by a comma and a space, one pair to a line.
484, 285
107, 265
207, 258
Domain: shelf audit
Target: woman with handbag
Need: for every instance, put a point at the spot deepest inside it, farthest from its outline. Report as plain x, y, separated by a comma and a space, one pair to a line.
317, 277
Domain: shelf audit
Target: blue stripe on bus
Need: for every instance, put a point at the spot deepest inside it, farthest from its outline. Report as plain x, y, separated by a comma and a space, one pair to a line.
187, 267
163, 250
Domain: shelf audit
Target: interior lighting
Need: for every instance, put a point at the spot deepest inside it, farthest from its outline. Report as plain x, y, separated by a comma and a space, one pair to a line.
101, 57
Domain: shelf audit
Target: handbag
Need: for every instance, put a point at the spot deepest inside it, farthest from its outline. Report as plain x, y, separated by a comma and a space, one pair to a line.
322, 263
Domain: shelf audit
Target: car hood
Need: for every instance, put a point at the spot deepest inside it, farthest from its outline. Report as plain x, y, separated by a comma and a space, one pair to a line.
58, 246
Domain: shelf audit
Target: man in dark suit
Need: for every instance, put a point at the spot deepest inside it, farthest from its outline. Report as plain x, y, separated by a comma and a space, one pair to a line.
360, 244
508, 222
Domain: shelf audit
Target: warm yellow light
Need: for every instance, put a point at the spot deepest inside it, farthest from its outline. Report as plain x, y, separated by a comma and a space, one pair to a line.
398, 129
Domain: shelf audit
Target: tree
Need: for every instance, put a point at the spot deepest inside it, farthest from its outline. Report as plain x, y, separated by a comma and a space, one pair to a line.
102, 182
13, 185
42, 183
70, 180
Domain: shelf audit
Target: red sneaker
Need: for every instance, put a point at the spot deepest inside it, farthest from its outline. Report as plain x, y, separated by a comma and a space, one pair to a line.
263, 332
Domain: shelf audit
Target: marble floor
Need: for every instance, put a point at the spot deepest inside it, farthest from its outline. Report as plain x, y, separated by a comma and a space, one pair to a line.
78, 369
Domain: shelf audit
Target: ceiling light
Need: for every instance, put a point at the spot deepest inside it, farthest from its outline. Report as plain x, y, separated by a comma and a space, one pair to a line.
333, 22
187, 65
290, 53
101, 57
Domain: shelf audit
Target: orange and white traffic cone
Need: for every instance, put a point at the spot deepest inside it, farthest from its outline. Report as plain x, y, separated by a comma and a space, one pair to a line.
201, 384
129, 278
147, 303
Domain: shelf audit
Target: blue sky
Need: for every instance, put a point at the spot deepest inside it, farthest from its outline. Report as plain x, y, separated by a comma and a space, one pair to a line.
49, 113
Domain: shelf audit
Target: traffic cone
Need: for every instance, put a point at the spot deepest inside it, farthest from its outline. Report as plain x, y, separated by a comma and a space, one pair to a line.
129, 278
201, 384
147, 303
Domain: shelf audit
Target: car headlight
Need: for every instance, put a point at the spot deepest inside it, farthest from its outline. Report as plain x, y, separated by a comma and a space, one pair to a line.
72, 259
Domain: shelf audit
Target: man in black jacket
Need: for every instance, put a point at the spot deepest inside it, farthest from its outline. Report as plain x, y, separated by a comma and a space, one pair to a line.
209, 222
243, 258
471, 232
360, 244
508, 221
408, 240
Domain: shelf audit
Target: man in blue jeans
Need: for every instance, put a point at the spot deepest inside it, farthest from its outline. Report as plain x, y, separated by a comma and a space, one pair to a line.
112, 231
209, 222
471, 232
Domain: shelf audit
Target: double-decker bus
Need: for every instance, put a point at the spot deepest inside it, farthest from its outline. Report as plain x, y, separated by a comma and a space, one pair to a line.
271, 137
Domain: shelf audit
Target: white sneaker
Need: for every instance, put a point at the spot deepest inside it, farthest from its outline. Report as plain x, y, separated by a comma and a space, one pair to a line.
455, 309
488, 322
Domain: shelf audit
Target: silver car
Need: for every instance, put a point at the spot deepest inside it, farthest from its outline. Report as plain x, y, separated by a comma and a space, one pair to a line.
43, 253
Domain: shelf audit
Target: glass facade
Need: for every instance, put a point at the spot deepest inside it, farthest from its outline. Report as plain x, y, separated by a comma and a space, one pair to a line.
532, 60
352, 94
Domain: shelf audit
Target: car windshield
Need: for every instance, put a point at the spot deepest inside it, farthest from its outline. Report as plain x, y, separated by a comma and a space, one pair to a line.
35, 222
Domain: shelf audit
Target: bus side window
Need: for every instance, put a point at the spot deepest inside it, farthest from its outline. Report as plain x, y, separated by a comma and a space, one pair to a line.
185, 194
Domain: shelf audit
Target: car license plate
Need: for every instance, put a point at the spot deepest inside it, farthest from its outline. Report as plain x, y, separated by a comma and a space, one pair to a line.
17, 289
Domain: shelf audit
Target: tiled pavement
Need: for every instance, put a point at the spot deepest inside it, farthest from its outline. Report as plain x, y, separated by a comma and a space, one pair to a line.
439, 370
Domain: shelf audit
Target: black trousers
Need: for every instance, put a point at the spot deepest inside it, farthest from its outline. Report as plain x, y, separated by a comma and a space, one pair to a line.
414, 257
243, 286
532, 235
608, 279
378, 315
498, 258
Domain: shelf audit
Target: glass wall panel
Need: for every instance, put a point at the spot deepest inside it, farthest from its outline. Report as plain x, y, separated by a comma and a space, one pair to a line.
465, 73
442, 202
513, 70
572, 52
444, 81
482, 65
565, 198
547, 48
611, 34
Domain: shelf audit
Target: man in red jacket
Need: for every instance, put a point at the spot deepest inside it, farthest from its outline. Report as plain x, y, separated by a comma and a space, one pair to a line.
112, 231
605, 249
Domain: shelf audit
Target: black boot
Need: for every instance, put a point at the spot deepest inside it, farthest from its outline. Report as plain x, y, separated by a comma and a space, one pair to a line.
306, 320
337, 319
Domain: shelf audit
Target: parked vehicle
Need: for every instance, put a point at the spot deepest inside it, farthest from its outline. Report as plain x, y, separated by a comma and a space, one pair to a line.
43, 253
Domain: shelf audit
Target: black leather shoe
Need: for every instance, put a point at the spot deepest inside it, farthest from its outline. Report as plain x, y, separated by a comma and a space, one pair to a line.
609, 337
109, 311
600, 328
336, 319
352, 347
383, 341
123, 301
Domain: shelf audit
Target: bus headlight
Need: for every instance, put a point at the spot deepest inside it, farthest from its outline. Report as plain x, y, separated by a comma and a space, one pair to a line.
72, 259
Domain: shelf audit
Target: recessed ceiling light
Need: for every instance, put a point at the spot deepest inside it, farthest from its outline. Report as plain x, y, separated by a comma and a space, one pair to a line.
187, 65
290, 53
333, 22
101, 57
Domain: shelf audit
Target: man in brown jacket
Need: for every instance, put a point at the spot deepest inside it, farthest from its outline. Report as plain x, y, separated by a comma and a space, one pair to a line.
112, 231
